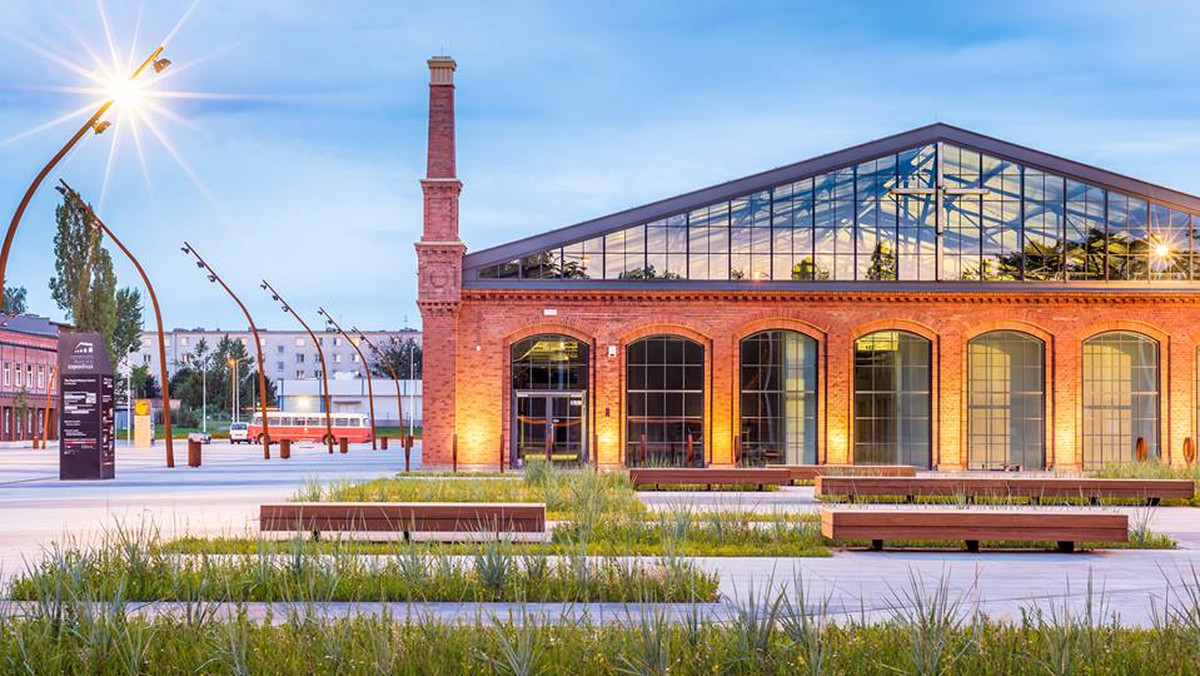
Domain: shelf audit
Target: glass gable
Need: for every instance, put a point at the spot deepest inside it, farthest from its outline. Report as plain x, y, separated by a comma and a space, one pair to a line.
879, 221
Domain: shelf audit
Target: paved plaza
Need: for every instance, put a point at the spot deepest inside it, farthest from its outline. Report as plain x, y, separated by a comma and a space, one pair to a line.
222, 497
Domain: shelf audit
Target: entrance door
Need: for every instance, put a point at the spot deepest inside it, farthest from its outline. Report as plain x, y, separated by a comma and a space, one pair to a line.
551, 424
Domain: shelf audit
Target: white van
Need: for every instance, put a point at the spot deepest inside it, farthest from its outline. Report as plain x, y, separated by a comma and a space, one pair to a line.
239, 433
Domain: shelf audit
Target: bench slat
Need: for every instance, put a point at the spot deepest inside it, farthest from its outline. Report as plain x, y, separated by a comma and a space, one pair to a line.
948, 525
403, 517
1006, 486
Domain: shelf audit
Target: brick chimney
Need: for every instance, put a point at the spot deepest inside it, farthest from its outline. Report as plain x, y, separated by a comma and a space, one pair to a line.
439, 268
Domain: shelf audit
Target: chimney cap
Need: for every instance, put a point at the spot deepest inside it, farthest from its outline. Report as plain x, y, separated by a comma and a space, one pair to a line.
441, 70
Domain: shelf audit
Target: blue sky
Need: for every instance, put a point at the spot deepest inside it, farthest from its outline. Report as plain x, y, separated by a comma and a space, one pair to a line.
306, 169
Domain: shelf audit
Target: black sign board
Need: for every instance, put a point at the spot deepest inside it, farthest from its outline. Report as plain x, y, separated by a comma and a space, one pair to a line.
87, 442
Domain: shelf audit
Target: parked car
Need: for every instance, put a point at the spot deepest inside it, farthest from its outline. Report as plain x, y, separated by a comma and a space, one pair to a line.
239, 433
202, 437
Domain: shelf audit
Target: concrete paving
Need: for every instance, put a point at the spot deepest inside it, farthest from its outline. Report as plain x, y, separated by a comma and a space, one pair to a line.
222, 497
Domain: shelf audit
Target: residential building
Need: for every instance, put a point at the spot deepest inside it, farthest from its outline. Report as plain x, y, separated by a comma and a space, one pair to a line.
28, 358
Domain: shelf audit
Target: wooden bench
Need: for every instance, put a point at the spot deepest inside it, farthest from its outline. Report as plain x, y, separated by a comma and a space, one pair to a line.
710, 476
403, 517
973, 525
811, 472
1150, 490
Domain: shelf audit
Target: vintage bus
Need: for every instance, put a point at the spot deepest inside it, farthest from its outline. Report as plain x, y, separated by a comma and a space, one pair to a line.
299, 426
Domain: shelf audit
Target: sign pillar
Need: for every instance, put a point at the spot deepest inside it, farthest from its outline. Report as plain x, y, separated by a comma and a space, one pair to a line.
143, 426
86, 423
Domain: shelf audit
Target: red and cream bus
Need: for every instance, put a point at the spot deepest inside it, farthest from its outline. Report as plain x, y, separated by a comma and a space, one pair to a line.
299, 426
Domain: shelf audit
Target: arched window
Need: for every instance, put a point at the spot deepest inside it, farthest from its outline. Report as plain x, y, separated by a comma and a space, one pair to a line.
1006, 401
892, 399
779, 398
549, 386
1120, 397
665, 399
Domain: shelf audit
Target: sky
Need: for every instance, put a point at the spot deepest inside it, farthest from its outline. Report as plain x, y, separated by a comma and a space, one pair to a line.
297, 151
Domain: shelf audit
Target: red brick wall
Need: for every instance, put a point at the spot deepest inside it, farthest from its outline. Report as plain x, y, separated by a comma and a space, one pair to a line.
489, 321
23, 350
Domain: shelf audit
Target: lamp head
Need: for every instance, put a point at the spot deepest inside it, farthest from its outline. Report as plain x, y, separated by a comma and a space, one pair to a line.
199, 264
161, 64
101, 126
263, 286
212, 278
185, 249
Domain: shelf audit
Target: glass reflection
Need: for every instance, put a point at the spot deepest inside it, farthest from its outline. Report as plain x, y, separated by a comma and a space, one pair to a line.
1120, 398
779, 398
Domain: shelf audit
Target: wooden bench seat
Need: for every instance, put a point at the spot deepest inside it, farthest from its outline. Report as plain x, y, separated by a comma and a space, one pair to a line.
1150, 490
973, 525
811, 472
709, 476
403, 517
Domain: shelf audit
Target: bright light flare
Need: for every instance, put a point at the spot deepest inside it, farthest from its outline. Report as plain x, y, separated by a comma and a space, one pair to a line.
1162, 250
124, 92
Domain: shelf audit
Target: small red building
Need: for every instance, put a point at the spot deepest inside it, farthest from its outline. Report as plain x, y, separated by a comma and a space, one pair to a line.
28, 355
936, 298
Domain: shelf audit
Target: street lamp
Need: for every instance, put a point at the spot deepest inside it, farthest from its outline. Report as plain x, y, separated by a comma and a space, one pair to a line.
266, 286
370, 390
162, 348
262, 378
379, 356
122, 91
234, 395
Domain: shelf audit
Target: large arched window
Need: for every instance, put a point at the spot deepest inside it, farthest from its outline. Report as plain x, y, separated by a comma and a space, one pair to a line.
1120, 397
779, 398
892, 399
549, 385
1006, 401
665, 399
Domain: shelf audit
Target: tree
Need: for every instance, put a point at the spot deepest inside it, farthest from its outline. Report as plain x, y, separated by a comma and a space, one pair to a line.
145, 386
14, 300
84, 285
22, 410
404, 357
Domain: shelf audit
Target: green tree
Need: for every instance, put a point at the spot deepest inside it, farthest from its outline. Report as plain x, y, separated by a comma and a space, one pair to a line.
404, 357
22, 409
14, 300
145, 385
84, 285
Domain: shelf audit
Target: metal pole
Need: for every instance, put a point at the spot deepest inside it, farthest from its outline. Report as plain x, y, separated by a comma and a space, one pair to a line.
320, 355
46, 412
93, 123
204, 398
262, 378
362, 358
162, 349
391, 370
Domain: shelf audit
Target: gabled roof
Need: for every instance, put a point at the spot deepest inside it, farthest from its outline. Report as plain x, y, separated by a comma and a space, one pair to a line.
824, 163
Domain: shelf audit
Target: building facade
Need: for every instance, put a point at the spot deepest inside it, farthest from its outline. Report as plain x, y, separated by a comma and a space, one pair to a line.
28, 356
937, 298
288, 354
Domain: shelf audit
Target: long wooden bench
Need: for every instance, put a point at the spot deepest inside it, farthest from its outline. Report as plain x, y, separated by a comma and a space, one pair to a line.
403, 517
973, 525
811, 472
709, 476
1150, 490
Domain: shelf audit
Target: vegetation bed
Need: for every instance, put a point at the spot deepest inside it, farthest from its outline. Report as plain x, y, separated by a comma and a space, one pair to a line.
132, 565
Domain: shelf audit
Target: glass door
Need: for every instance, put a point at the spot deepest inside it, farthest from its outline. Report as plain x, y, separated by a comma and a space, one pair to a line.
550, 426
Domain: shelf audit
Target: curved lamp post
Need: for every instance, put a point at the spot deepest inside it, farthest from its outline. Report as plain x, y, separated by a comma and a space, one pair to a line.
262, 378
162, 349
95, 124
379, 356
320, 355
370, 390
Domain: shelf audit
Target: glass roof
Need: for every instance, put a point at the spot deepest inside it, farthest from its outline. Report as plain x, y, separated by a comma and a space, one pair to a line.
934, 212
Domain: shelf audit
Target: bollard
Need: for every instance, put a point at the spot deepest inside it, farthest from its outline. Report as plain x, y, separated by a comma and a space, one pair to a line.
343, 445
548, 448
285, 448
1141, 449
690, 458
454, 451
383, 443
595, 453
643, 444
502, 455
193, 453
407, 451
1189, 450
737, 451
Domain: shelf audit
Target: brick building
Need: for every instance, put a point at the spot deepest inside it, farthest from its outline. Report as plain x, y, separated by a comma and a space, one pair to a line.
28, 355
937, 298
